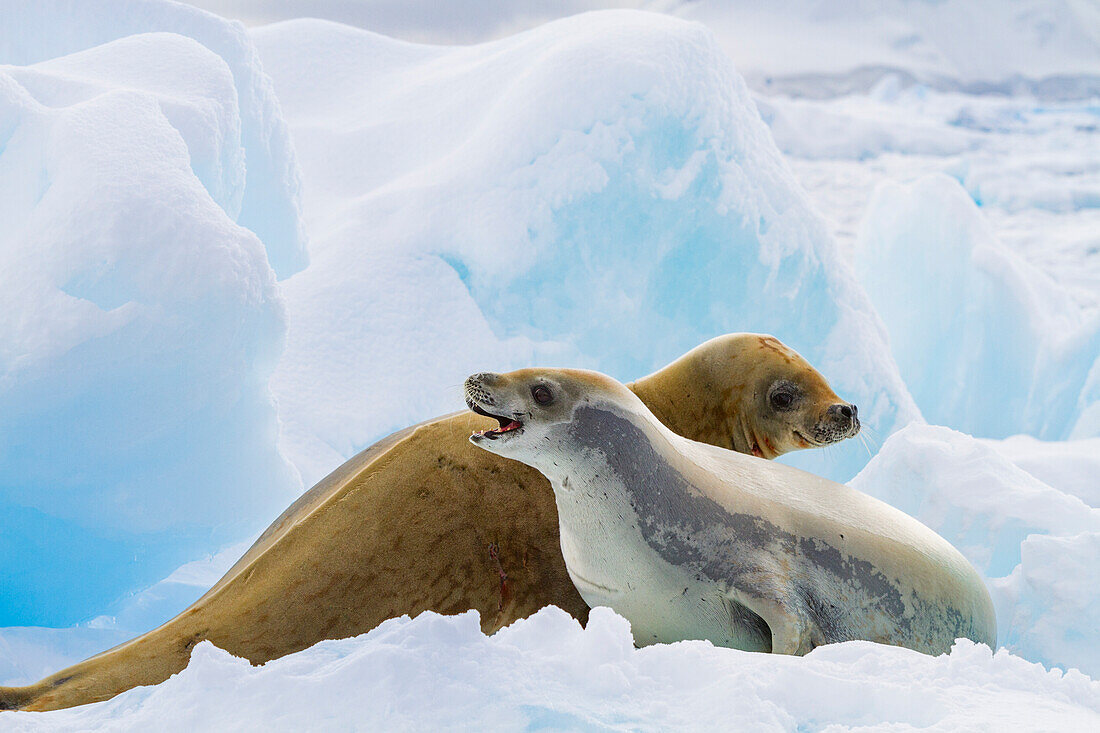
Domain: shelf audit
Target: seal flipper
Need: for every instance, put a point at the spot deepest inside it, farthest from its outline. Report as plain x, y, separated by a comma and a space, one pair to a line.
16, 698
792, 630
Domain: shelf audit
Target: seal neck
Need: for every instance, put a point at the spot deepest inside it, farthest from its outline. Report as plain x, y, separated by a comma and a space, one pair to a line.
690, 402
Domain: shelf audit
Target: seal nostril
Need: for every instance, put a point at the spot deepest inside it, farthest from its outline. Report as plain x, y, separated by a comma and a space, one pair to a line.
476, 383
846, 412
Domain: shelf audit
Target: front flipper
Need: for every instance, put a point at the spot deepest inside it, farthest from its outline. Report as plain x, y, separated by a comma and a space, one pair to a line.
792, 630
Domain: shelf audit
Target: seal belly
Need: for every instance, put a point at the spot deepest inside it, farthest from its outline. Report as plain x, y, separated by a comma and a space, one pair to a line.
664, 603
669, 609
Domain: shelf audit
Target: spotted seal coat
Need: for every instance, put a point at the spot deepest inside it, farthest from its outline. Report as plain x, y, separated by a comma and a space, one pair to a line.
422, 521
690, 541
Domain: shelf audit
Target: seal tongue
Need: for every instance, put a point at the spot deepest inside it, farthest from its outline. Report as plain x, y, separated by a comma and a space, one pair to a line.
506, 426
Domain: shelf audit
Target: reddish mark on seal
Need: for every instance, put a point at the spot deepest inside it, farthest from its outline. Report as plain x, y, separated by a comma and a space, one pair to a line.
494, 554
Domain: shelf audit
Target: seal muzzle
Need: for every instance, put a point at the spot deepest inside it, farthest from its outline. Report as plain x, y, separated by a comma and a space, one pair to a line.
480, 399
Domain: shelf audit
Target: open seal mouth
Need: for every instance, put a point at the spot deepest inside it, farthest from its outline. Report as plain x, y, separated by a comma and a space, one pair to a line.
507, 424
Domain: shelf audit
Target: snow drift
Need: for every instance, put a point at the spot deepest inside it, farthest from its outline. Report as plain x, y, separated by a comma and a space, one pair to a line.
142, 325
267, 200
810, 48
452, 194
441, 673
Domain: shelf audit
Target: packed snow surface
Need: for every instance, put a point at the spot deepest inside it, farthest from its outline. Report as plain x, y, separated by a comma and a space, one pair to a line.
546, 672
603, 191
267, 199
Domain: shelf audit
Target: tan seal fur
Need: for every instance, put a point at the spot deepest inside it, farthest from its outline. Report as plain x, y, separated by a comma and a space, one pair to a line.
690, 541
422, 521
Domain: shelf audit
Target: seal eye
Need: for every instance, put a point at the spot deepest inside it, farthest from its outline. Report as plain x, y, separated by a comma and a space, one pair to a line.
782, 400
542, 395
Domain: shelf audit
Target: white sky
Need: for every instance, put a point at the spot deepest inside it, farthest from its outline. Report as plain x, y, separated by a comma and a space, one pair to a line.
432, 21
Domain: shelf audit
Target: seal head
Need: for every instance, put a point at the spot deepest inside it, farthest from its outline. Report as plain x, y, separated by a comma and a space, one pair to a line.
770, 400
534, 406
690, 541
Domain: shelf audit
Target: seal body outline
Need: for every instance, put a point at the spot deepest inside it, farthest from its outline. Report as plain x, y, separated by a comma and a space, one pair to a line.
422, 520
690, 541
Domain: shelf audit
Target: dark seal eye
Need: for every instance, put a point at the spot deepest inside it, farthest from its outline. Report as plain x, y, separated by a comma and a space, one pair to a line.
542, 395
782, 400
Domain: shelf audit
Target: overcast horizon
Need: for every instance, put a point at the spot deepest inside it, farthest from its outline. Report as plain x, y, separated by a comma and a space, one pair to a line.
425, 22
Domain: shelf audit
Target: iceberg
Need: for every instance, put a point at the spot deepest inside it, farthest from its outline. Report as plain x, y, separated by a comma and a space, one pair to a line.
142, 325
450, 192
996, 347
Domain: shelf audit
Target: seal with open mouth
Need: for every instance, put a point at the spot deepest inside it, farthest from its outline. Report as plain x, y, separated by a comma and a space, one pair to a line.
689, 541
422, 521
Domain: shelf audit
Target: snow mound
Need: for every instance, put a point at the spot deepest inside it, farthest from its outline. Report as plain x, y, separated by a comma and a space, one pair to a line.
142, 325
451, 193
1071, 467
996, 347
1036, 545
440, 673
801, 47
32, 31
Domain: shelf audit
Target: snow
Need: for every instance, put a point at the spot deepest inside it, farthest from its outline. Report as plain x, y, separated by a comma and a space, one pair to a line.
1069, 466
1035, 543
1013, 351
441, 673
522, 217
142, 326
39, 30
604, 191
809, 48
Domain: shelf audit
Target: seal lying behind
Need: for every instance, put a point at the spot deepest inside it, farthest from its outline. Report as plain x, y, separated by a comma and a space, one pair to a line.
423, 521
689, 541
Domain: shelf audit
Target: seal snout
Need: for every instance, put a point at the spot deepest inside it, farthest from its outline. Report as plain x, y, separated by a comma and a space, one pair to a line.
843, 412
476, 389
844, 418
480, 398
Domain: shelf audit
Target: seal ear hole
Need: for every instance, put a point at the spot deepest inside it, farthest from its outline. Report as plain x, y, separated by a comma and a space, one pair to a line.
542, 395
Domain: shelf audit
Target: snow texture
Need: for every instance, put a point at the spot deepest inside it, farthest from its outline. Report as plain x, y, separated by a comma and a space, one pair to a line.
602, 192
441, 673
1036, 543
814, 48
142, 326
267, 202
615, 232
